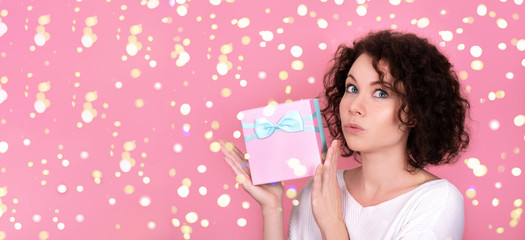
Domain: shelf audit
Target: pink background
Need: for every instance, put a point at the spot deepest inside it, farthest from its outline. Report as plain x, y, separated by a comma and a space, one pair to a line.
96, 141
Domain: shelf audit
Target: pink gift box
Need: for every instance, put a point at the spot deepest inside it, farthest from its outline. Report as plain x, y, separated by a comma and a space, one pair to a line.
284, 141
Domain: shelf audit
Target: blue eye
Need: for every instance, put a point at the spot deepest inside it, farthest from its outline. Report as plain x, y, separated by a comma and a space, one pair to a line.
380, 94
351, 89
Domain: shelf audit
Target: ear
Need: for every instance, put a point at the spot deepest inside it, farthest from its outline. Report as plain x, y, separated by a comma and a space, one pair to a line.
408, 118
412, 122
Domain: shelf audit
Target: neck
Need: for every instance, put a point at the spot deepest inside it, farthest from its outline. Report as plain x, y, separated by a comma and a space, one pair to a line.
383, 170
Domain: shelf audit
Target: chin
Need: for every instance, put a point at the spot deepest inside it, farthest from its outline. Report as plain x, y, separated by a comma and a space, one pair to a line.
354, 147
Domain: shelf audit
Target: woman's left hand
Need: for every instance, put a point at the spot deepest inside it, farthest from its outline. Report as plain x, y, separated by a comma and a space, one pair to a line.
326, 196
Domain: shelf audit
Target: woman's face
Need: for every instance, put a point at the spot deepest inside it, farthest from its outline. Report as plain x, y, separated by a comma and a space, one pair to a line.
369, 112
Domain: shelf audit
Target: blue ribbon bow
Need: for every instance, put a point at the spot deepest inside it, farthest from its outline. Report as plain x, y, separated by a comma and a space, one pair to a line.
291, 122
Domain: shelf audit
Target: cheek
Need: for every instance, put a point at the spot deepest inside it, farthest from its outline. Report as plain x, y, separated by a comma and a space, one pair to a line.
342, 106
389, 119
400, 127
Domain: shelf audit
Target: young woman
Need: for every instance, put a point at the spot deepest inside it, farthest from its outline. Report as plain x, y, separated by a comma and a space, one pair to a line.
393, 103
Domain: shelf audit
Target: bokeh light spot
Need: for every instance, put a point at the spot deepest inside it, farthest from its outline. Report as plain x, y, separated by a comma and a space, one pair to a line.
215, 146
296, 51
494, 124
361, 10
518, 202
480, 170
482, 10
394, 2
240, 116
283, 75
205, 223
297, 65
243, 23
518, 121
291, 192
192, 217
177, 148
226, 92
201, 168
237, 134
241, 222
495, 202
471, 192
3, 147
475, 51
203, 191
61, 188
42, 235
321, 23
300, 171
183, 191
423, 22
224, 200
446, 35
240, 178
476, 65
185, 109
151, 225
302, 10
502, 23
516, 171
266, 35
521, 45
215, 2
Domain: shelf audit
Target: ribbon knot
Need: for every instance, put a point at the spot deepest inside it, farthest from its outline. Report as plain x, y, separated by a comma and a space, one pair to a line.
291, 122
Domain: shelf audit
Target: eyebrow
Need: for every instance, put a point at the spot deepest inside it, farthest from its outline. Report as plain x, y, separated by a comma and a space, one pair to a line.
355, 80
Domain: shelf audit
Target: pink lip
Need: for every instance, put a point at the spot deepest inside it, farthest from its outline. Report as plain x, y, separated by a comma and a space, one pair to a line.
353, 128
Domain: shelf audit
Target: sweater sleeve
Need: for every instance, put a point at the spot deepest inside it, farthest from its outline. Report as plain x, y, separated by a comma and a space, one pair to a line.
439, 215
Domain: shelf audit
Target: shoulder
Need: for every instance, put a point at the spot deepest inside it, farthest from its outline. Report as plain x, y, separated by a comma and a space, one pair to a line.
434, 211
438, 196
440, 190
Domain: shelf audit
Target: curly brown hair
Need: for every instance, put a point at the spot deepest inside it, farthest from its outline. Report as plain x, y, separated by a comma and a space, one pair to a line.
431, 105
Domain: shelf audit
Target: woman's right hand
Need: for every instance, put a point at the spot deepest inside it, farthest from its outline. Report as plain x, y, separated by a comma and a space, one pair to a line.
269, 196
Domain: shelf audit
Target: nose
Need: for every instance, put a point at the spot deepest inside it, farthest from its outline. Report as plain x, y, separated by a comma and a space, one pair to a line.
356, 105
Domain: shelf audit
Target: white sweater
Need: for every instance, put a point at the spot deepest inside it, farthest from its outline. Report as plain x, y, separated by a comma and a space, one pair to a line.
433, 210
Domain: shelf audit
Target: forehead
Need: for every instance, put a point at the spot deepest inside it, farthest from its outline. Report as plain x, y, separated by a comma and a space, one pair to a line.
362, 69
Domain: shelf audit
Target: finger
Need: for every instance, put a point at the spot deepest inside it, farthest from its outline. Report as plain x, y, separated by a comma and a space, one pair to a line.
327, 165
240, 175
336, 145
241, 166
224, 150
247, 184
234, 167
246, 166
316, 187
229, 148
239, 155
223, 144
238, 152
